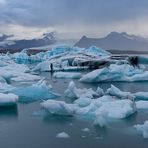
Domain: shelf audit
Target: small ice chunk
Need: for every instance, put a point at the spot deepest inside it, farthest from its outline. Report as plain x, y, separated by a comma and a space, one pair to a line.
100, 92
143, 128
62, 135
85, 129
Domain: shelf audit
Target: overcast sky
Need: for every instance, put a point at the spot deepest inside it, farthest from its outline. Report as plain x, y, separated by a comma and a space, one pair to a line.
73, 18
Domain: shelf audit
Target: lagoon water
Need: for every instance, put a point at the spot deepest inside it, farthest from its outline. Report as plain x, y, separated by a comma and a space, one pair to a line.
23, 126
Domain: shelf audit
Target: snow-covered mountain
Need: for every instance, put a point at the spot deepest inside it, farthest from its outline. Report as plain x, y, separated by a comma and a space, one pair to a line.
116, 41
46, 39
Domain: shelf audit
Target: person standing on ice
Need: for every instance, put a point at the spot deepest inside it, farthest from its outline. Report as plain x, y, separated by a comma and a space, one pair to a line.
51, 67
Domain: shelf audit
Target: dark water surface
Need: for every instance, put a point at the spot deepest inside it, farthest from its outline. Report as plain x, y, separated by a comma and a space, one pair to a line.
19, 128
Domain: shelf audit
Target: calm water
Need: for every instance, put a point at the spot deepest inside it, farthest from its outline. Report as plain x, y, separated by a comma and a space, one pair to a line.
19, 128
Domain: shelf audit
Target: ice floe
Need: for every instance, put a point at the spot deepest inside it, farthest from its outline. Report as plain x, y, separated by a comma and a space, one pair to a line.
58, 107
114, 91
8, 99
71, 75
62, 135
73, 92
143, 129
114, 72
37, 91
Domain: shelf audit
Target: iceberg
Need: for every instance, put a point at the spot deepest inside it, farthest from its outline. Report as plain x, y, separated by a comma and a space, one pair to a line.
74, 93
37, 91
8, 99
83, 101
71, 75
141, 95
114, 91
124, 72
118, 109
58, 107
142, 128
17, 72
142, 105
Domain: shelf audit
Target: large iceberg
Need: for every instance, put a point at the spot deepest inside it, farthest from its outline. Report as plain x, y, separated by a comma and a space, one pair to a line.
115, 72
37, 91
8, 99
70, 58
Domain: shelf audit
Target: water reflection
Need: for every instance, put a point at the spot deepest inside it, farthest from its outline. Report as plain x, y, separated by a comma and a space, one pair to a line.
8, 111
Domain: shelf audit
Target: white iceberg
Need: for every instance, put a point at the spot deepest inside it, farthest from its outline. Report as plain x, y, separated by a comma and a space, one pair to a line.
118, 109
142, 105
58, 107
71, 75
8, 99
114, 91
17, 72
141, 95
83, 101
62, 135
115, 72
143, 128
74, 93
35, 92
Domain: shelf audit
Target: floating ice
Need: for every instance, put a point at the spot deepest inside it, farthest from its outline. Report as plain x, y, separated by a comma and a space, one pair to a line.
114, 91
8, 99
17, 72
116, 109
71, 75
35, 92
142, 104
83, 101
115, 72
58, 107
143, 128
100, 121
62, 135
141, 95
100, 92
85, 129
74, 93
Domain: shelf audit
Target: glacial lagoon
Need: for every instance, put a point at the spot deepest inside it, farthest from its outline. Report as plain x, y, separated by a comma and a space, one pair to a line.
25, 125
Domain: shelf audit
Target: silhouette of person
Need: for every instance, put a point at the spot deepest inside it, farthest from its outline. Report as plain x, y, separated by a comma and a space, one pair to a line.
51, 67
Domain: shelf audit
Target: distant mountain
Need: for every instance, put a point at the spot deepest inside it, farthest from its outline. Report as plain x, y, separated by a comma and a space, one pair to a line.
46, 39
116, 41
